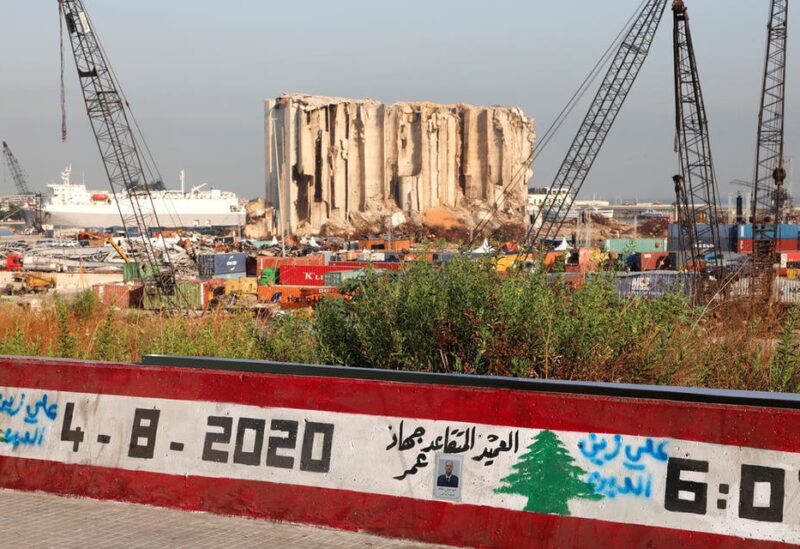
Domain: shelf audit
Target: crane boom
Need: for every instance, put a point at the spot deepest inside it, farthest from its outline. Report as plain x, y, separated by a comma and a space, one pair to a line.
17, 174
597, 123
769, 194
21, 182
697, 194
109, 114
769, 153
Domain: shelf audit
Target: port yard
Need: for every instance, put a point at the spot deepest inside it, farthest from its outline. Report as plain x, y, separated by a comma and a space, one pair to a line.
586, 313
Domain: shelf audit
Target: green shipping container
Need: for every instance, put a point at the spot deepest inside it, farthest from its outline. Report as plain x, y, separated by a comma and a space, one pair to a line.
188, 295
634, 245
135, 271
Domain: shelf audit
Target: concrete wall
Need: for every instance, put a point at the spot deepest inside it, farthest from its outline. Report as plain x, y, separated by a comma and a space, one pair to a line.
336, 157
528, 467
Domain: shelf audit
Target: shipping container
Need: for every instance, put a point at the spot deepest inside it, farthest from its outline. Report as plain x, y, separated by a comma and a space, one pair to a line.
276, 262
384, 266
653, 284
785, 231
336, 278
213, 265
232, 276
122, 295
188, 295
632, 245
384, 244
788, 290
134, 270
295, 295
308, 275
783, 245
652, 261
241, 286
727, 237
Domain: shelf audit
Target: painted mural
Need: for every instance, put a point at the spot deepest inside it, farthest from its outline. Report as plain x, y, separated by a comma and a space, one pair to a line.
678, 484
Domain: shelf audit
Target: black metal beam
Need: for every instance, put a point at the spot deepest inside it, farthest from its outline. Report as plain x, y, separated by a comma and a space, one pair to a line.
678, 394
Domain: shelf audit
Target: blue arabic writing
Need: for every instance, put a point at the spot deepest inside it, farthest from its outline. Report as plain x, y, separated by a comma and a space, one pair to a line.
612, 486
634, 456
16, 438
7, 405
32, 413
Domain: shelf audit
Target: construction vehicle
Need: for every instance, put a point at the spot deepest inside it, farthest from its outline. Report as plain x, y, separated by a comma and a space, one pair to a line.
29, 283
127, 167
89, 237
32, 200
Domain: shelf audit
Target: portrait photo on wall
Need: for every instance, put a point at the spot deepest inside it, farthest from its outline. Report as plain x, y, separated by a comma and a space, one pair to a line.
448, 477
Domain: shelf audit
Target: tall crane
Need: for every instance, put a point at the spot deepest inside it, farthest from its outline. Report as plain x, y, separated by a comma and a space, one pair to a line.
21, 182
695, 185
597, 123
769, 194
109, 114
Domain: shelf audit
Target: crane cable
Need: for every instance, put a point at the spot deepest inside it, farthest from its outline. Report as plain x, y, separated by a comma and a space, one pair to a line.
590, 78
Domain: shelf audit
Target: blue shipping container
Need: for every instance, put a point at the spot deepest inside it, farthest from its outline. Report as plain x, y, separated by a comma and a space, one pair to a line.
786, 232
654, 284
214, 265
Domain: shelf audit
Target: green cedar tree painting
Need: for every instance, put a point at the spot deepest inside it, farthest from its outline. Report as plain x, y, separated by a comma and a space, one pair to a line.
548, 477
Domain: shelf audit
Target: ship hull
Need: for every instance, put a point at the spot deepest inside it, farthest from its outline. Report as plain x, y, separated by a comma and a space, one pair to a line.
107, 215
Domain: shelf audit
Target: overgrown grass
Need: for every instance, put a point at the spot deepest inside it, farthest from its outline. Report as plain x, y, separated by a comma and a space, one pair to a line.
463, 317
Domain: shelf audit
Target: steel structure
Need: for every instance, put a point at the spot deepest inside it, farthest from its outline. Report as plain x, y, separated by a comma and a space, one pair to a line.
110, 117
21, 182
769, 193
696, 193
597, 123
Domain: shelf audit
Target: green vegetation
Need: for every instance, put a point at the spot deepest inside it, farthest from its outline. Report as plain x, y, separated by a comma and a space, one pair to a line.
462, 317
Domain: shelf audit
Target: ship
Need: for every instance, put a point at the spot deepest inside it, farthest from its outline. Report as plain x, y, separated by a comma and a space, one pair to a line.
73, 205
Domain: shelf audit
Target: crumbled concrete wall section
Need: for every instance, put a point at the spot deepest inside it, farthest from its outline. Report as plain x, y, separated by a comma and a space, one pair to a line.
332, 160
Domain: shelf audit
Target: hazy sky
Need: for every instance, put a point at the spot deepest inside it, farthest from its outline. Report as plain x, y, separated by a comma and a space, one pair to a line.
196, 73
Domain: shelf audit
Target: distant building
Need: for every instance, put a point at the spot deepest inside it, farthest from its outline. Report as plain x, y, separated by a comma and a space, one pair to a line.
331, 160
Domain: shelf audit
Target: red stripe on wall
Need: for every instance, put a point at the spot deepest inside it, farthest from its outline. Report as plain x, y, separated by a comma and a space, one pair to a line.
429, 521
767, 428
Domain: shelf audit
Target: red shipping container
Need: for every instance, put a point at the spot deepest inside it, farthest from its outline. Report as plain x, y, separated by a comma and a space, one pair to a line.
652, 261
276, 262
120, 295
309, 275
787, 245
783, 245
383, 265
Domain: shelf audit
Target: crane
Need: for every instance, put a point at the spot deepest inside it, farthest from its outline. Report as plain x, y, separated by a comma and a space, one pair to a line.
769, 194
597, 123
21, 181
695, 185
110, 116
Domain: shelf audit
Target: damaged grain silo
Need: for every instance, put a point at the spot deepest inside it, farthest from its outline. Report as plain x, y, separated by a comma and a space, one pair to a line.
334, 162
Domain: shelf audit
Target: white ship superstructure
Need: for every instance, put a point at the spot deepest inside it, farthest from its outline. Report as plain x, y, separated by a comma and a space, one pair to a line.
72, 205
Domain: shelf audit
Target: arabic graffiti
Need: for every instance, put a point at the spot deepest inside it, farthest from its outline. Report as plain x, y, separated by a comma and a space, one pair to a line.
36, 416
453, 441
636, 458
